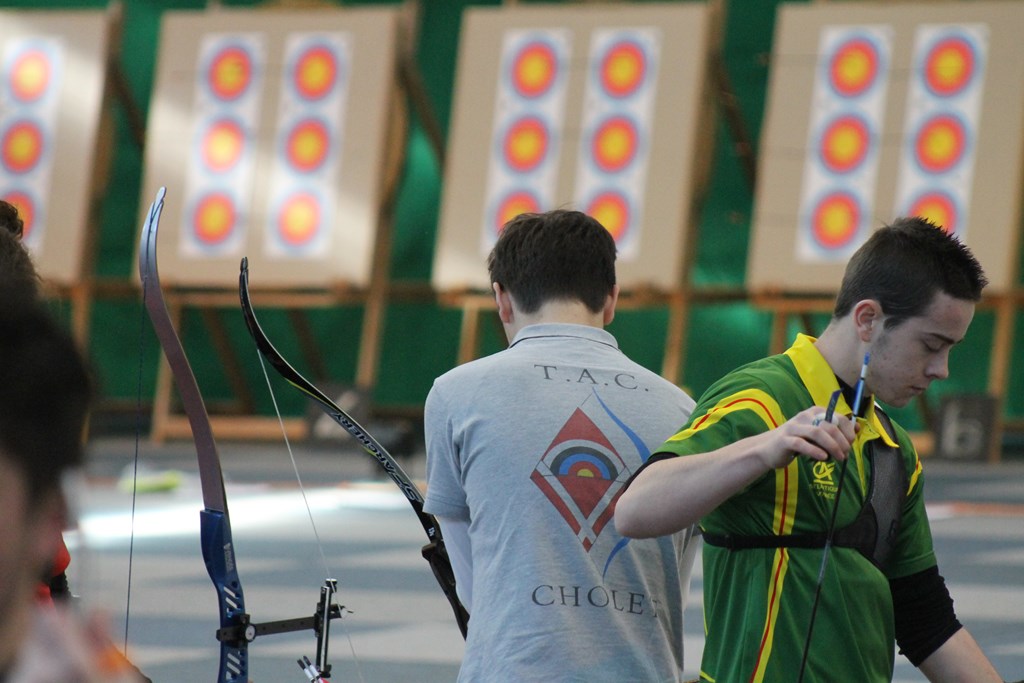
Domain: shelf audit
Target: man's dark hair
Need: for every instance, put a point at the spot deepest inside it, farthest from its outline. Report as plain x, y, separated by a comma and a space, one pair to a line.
540, 257
45, 392
10, 221
16, 268
903, 266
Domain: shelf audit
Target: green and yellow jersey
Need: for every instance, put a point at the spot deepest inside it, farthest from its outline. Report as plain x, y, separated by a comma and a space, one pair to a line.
758, 601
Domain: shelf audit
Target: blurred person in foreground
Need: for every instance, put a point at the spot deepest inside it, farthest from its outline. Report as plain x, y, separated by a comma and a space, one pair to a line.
758, 467
20, 280
527, 450
45, 392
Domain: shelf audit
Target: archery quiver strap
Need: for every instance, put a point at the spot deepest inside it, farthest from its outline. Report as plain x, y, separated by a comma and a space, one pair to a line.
875, 530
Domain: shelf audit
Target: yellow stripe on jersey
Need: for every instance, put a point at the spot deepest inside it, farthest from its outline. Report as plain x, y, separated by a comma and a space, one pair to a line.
763, 405
780, 567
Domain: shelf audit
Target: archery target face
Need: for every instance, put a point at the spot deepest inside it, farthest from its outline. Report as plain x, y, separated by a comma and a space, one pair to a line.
845, 143
316, 72
21, 146
214, 218
30, 75
950, 66
526, 144
623, 69
937, 159
534, 69
614, 144
854, 67
276, 106
230, 73
299, 219
619, 100
835, 220
310, 136
557, 108
938, 207
307, 145
611, 209
940, 143
513, 204
222, 145
225, 120
30, 117
841, 156
526, 129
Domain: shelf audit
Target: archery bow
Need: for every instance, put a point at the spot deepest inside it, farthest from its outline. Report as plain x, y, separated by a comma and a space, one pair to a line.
434, 552
237, 629
858, 395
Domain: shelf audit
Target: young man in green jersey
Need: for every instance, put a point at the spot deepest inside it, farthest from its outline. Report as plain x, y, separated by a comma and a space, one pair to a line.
765, 476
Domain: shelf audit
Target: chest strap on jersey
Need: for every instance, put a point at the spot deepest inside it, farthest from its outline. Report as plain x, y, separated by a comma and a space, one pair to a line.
875, 530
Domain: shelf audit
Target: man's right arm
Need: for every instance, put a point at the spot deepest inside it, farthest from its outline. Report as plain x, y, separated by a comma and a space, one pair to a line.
671, 494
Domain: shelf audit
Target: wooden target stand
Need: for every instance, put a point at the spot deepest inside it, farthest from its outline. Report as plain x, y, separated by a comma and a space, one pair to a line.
784, 308
236, 419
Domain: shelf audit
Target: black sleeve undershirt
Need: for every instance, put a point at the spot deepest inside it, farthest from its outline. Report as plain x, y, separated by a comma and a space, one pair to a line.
657, 457
924, 614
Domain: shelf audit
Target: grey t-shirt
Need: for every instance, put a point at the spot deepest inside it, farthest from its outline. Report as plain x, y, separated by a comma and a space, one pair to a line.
532, 446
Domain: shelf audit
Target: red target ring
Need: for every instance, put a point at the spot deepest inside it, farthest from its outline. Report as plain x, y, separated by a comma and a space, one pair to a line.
845, 144
854, 67
299, 219
835, 220
534, 69
214, 218
949, 66
222, 146
939, 208
611, 209
316, 72
21, 146
940, 143
615, 143
230, 73
526, 144
623, 69
512, 205
308, 145
30, 76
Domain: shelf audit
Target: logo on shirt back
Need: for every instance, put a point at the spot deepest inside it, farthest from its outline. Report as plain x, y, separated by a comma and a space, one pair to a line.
582, 474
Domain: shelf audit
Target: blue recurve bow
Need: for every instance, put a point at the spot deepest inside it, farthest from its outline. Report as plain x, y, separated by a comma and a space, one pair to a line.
237, 629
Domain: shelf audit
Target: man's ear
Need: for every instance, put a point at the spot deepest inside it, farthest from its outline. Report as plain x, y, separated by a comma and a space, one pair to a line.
609, 305
867, 318
504, 301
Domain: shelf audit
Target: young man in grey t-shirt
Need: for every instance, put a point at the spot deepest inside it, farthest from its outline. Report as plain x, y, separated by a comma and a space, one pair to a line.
527, 452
